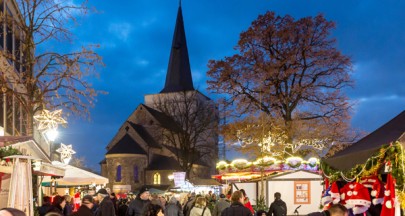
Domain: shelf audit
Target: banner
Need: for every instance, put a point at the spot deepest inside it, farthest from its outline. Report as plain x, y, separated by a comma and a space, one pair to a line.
179, 178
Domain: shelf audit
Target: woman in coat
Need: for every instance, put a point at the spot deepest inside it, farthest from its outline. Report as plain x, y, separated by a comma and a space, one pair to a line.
200, 208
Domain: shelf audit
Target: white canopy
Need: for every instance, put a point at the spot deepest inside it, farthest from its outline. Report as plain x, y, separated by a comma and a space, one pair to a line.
76, 176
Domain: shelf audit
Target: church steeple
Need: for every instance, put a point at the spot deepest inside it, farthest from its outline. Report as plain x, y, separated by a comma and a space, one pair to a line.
178, 77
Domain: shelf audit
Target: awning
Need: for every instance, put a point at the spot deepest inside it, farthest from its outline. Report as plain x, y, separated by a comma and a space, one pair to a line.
204, 182
362, 150
76, 176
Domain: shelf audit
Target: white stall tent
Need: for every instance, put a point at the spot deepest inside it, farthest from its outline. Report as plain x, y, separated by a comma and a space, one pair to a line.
298, 188
75, 176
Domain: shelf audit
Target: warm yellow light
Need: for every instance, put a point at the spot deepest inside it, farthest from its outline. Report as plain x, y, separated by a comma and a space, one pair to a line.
170, 177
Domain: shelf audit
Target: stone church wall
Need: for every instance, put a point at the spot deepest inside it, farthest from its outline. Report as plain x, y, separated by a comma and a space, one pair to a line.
127, 163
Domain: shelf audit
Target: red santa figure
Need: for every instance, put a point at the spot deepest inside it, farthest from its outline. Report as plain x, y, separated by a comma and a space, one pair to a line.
388, 205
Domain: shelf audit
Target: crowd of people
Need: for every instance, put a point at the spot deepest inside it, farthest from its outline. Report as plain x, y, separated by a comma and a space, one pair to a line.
146, 204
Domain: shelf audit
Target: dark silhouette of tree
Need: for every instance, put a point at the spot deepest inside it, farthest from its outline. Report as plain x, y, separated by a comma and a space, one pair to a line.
192, 131
47, 76
291, 71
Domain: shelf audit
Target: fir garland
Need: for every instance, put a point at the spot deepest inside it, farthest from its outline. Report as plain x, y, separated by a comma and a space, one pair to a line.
392, 154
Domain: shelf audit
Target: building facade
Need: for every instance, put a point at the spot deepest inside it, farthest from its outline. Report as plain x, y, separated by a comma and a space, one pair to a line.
150, 145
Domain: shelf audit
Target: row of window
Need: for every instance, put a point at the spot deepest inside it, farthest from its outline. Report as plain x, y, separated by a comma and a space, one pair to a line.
10, 38
118, 176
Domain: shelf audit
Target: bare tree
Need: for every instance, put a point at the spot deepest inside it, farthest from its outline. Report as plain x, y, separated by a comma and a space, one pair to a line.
192, 132
48, 78
291, 71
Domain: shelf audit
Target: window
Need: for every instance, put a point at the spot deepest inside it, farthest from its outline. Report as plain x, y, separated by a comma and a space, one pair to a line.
302, 192
136, 174
156, 178
118, 176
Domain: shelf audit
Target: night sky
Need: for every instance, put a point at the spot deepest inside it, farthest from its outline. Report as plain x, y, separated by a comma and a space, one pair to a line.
135, 38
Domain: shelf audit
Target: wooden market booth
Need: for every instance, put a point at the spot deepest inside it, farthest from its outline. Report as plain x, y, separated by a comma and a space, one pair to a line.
379, 155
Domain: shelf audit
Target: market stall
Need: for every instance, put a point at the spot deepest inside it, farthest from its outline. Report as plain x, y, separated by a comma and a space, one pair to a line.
368, 176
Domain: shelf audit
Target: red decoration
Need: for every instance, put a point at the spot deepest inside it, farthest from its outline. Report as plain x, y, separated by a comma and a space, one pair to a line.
388, 205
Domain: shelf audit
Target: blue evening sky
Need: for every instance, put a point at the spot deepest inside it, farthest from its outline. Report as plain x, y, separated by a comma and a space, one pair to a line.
135, 38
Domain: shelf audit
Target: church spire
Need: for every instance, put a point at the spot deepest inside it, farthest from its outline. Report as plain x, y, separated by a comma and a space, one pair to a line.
178, 77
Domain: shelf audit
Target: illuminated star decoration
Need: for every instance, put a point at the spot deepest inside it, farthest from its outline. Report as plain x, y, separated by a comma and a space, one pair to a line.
65, 151
49, 120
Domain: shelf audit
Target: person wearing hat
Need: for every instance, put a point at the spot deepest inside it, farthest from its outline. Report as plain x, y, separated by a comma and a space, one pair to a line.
137, 206
220, 206
106, 207
85, 207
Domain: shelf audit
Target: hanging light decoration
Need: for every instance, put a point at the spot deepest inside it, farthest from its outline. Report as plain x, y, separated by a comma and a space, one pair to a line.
48, 120
66, 152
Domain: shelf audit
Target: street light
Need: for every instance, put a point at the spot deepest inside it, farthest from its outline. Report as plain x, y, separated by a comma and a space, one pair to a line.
51, 134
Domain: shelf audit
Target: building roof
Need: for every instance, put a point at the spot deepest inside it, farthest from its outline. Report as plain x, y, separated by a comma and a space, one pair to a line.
160, 162
126, 145
175, 150
359, 152
164, 120
143, 133
178, 77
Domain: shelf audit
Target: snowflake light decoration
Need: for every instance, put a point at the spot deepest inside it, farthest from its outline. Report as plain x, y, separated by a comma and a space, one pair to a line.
66, 151
49, 120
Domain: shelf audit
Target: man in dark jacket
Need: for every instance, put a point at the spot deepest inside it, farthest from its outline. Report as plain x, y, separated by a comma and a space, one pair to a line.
236, 208
46, 205
106, 207
137, 206
220, 206
85, 208
278, 207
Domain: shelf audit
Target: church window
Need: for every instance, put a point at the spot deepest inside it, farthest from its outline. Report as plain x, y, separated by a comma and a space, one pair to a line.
136, 174
156, 178
118, 176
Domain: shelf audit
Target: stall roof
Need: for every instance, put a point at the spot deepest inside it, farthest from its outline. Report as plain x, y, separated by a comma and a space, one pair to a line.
204, 182
77, 176
359, 152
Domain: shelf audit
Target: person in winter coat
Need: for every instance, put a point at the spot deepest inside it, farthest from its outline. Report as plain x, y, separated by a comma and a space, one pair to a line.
137, 206
278, 207
85, 207
106, 206
67, 211
46, 205
58, 204
173, 208
200, 208
237, 208
123, 207
246, 201
189, 204
221, 205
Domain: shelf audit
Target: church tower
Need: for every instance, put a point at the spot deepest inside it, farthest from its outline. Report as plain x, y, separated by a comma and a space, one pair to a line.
172, 129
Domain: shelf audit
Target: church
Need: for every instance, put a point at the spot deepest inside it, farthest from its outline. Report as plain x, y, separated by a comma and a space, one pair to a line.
175, 130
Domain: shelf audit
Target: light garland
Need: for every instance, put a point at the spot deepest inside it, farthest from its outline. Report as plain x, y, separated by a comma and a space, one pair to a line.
267, 161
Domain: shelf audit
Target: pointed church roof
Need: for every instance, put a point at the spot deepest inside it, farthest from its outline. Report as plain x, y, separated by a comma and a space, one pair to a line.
126, 145
178, 77
143, 133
